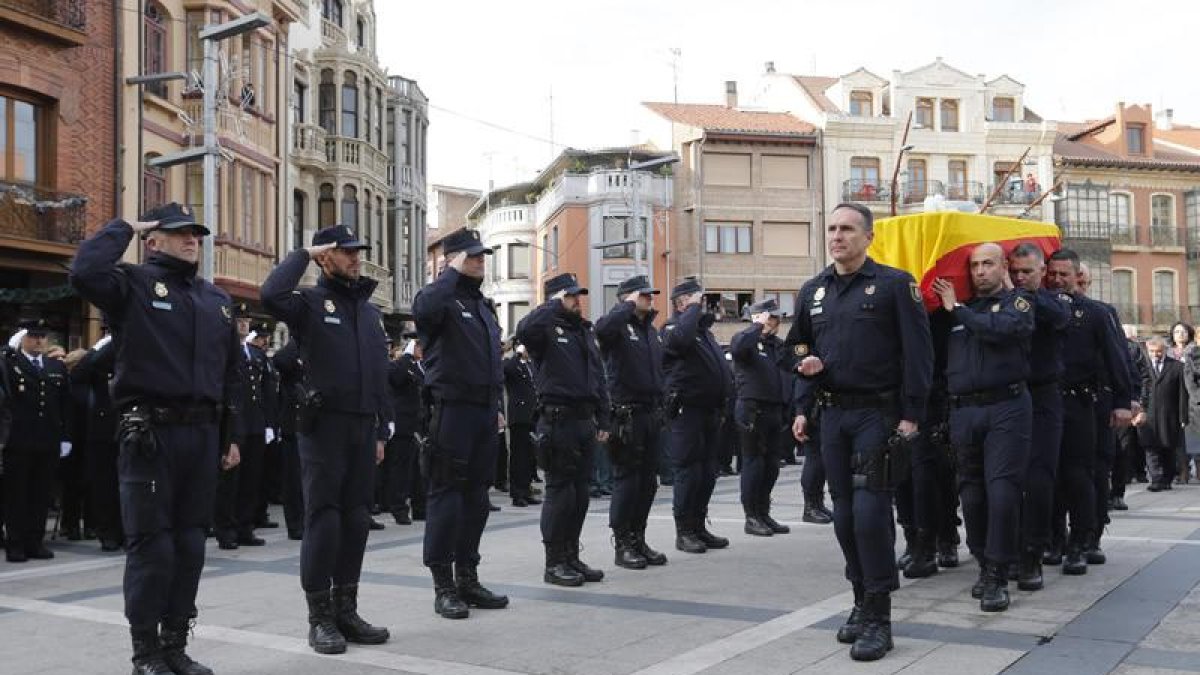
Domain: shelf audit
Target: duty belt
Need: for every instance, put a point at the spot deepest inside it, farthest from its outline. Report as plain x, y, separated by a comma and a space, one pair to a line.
579, 411
1087, 389
987, 396
179, 415
852, 400
1043, 384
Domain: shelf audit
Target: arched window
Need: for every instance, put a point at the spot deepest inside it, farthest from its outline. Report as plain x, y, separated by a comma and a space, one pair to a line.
326, 207
331, 11
327, 103
299, 217
350, 207
380, 232
349, 105
368, 234
154, 47
154, 184
368, 109
379, 118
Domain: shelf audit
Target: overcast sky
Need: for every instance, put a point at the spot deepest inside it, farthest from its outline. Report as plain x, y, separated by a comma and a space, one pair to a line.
485, 63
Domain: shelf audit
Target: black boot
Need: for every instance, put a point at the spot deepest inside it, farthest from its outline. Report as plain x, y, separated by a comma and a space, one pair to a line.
627, 553
652, 557
686, 537
446, 601
1118, 504
173, 639
1053, 555
995, 588
848, 633
559, 571
977, 589
910, 537
875, 637
1074, 564
922, 563
147, 655
589, 573
1029, 575
764, 514
1093, 553
474, 593
402, 516
816, 515
710, 540
756, 526
351, 625
323, 634
947, 554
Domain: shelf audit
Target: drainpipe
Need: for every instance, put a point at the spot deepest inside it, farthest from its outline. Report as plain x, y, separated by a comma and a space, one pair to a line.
698, 189
118, 83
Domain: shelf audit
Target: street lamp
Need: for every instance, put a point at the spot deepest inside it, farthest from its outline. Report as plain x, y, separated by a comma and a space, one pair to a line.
640, 234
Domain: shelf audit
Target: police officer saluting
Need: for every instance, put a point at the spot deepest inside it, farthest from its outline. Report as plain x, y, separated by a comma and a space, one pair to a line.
457, 327
758, 413
861, 344
177, 384
573, 415
698, 384
343, 426
633, 357
991, 413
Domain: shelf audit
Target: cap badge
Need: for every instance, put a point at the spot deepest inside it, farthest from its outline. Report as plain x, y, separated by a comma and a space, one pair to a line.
160, 289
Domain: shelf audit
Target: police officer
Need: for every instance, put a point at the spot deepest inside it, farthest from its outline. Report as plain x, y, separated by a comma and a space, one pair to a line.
177, 383
1027, 268
861, 342
458, 330
633, 358
40, 401
573, 414
406, 378
990, 413
95, 372
698, 385
1095, 355
292, 385
521, 412
344, 426
757, 415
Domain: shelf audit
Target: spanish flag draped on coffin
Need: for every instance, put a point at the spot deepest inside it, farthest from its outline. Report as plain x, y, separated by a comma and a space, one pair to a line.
939, 244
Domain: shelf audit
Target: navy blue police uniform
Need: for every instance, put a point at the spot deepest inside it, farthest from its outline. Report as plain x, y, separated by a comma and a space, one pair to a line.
698, 385
1106, 437
633, 358
520, 415
758, 417
460, 336
345, 415
95, 372
991, 414
177, 382
293, 383
403, 481
573, 408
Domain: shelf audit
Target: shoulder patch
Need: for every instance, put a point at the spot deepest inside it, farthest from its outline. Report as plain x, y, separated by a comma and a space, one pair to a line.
800, 349
1021, 304
915, 291
670, 326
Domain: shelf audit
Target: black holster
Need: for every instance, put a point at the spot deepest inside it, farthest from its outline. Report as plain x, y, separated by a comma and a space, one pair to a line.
555, 453
673, 405
437, 466
135, 434
749, 436
886, 467
310, 408
622, 447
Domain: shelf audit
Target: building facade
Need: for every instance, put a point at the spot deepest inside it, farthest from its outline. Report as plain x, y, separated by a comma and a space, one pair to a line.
59, 133
747, 204
1132, 212
407, 111
507, 222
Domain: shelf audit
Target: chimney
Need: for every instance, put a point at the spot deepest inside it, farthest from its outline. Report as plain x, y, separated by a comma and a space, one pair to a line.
731, 93
769, 67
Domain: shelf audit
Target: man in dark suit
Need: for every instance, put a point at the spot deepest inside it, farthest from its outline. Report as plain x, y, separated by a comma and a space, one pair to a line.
522, 402
1161, 431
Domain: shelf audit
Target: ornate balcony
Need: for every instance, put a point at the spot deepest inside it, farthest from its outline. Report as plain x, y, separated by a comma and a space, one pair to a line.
33, 214
915, 191
308, 146
968, 191
382, 297
63, 20
332, 35
865, 190
356, 154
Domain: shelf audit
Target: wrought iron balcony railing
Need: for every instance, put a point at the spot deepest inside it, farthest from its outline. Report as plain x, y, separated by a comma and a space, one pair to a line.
69, 13
32, 213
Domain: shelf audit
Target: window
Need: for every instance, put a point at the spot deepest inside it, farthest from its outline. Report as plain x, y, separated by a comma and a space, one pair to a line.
727, 237
326, 207
554, 246
784, 171
22, 141
154, 185
331, 11
1086, 212
864, 178
728, 305
545, 252
360, 34
957, 170
1135, 139
1122, 295
918, 180
250, 179
379, 118
299, 204
194, 194
785, 299
368, 110
327, 102
726, 169
785, 239
379, 231
860, 104
1118, 216
299, 102
1162, 211
1004, 109
349, 105
350, 206
923, 119
154, 45
949, 114
516, 312
618, 228
368, 229
1191, 211
518, 261
194, 53
1164, 295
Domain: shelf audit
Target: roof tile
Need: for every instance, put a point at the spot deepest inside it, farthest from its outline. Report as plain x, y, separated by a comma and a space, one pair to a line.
724, 118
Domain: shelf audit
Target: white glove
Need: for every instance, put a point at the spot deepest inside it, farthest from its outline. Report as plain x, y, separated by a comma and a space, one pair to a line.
14, 342
250, 337
391, 430
64, 449
760, 318
101, 342
270, 433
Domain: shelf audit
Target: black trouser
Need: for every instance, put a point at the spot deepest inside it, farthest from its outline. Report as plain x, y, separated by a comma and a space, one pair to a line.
28, 481
1037, 507
337, 464
1160, 464
1077, 466
293, 492
520, 460
166, 503
501, 459
812, 475
695, 440
569, 464
1124, 465
76, 504
934, 488
760, 461
271, 485
238, 490
1106, 454
635, 464
862, 517
399, 465
992, 442
464, 458
103, 489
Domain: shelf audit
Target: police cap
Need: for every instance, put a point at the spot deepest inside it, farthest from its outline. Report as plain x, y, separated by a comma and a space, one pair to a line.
564, 282
464, 239
638, 284
686, 287
173, 217
340, 235
769, 305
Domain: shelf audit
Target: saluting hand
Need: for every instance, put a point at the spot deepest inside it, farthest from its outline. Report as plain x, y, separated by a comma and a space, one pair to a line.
318, 252
456, 262
141, 226
945, 292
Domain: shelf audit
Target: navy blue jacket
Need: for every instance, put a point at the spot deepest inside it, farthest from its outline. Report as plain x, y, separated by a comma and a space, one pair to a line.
1105, 402
457, 328
693, 360
569, 369
40, 401
406, 380
633, 355
173, 332
1051, 313
341, 337
1096, 353
755, 366
989, 343
95, 372
292, 383
870, 331
522, 394
261, 404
